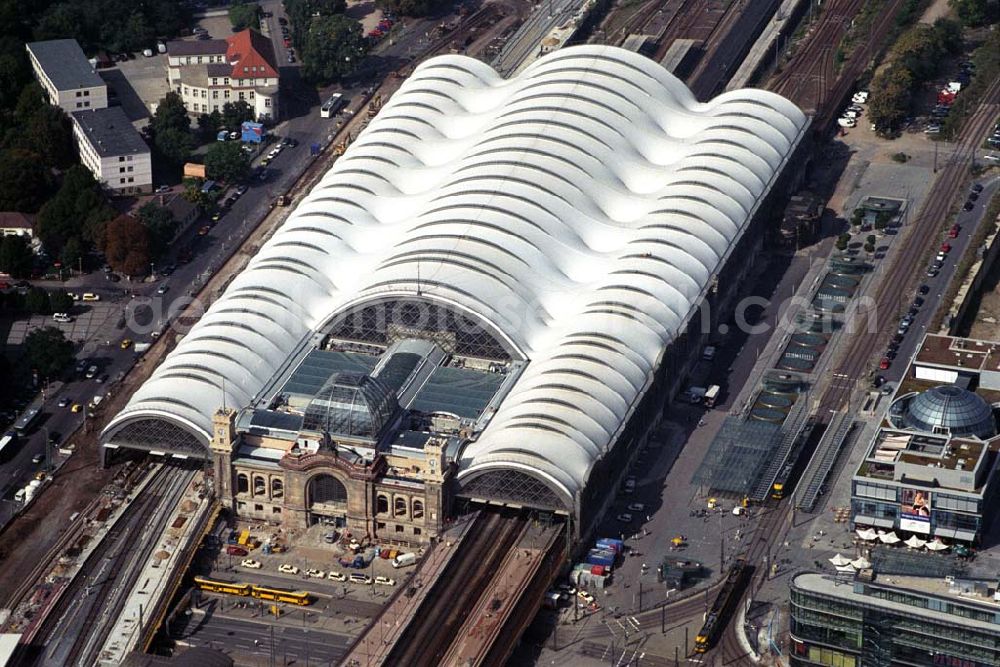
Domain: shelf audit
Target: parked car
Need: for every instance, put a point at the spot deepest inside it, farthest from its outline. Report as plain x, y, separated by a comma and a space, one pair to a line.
384, 581
885, 363
953, 232
315, 574
358, 578
162, 188
624, 517
336, 576
250, 563
63, 402
636, 507
288, 569
923, 290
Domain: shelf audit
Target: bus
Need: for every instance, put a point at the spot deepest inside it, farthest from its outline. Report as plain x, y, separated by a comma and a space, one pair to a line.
711, 396
30, 416
300, 598
332, 106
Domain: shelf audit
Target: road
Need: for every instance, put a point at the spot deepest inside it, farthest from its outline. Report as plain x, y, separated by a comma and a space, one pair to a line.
282, 644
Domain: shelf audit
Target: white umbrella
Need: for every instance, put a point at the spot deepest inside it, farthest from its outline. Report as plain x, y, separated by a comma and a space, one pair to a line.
840, 561
845, 568
861, 563
867, 534
937, 545
889, 538
915, 542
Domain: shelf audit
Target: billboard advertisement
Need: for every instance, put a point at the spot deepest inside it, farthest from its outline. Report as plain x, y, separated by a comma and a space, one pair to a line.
915, 511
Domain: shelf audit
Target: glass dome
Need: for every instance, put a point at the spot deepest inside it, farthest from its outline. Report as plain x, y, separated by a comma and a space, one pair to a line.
350, 404
960, 411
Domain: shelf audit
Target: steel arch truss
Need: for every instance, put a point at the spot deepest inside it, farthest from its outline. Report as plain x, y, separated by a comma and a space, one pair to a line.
159, 435
514, 486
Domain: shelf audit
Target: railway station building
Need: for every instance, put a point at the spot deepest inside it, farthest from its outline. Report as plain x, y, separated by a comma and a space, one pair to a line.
489, 298
931, 467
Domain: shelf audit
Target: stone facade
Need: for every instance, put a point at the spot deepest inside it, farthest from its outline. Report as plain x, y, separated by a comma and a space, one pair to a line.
391, 499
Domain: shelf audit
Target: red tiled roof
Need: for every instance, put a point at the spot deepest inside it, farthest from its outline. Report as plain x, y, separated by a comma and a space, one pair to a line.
15, 220
251, 55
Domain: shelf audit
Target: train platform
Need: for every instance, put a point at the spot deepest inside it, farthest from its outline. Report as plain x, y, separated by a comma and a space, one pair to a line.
376, 643
776, 29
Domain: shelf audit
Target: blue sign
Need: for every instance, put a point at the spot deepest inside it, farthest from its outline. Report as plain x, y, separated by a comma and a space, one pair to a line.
253, 133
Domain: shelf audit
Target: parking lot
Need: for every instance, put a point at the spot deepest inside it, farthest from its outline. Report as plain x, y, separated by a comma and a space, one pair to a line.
88, 320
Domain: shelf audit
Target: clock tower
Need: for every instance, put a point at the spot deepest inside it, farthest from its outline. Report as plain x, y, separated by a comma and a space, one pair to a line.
223, 442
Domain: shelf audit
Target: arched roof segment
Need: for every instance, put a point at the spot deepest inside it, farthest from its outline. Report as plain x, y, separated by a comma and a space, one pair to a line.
581, 208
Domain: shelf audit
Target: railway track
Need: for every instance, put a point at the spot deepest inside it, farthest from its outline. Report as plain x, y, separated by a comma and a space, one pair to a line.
95, 597
811, 70
896, 285
433, 628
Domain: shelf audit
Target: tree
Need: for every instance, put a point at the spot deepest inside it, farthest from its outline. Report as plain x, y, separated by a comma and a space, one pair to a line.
842, 242
172, 129
25, 184
857, 216
72, 253
890, 95
244, 15
334, 47
127, 246
975, 13
37, 301
48, 351
161, 225
413, 7
60, 301
16, 257
227, 161
48, 133
77, 210
234, 113
209, 125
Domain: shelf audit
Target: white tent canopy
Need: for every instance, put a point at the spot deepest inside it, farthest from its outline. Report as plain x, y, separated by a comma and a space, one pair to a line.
937, 545
889, 538
839, 561
915, 542
867, 534
861, 563
845, 568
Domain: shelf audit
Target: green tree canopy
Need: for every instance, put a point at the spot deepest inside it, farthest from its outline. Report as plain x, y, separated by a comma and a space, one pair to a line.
16, 257
48, 351
60, 301
25, 183
975, 13
161, 225
234, 113
172, 129
244, 15
413, 7
127, 246
77, 210
115, 25
72, 253
334, 47
227, 161
37, 301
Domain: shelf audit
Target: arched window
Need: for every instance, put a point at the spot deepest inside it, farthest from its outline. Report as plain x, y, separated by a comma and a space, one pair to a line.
242, 483
326, 489
382, 505
418, 509
277, 488
259, 486
400, 507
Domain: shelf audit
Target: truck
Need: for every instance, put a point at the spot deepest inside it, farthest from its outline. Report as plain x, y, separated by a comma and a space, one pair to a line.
141, 347
403, 560
696, 394
711, 395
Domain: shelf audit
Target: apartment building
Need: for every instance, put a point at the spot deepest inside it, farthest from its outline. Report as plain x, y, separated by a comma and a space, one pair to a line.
208, 73
112, 149
67, 76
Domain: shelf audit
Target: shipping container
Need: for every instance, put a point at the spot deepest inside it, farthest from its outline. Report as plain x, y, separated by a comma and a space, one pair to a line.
601, 557
611, 543
599, 570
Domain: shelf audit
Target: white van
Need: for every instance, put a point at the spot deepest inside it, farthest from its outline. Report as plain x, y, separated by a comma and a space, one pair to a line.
402, 560
63, 318
19, 496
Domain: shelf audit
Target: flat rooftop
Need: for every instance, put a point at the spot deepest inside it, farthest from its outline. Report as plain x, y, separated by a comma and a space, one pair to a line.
931, 586
960, 353
110, 132
64, 64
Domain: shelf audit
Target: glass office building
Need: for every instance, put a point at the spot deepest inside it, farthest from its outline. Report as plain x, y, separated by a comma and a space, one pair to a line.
886, 621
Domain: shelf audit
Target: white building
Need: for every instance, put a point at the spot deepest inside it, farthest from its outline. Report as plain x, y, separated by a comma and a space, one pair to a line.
208, 73
112, 149
13, 223
67, 77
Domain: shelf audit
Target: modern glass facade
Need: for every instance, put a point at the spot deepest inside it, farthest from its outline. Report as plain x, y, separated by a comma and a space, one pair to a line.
872, 624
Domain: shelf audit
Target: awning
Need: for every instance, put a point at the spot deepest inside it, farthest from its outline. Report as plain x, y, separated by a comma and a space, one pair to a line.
964, 535
874, 521
945, 532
